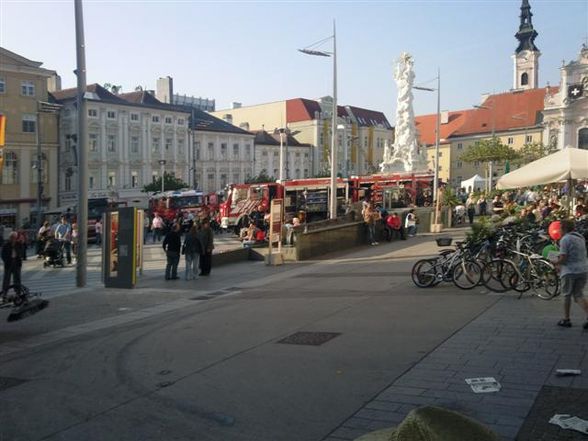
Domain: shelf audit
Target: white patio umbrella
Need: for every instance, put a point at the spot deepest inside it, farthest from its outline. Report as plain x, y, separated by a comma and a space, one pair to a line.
566, 164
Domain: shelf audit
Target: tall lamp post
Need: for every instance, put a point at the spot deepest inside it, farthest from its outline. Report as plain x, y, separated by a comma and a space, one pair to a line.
437, 137
333, 185
162, 163
42, 107
281, 132
490, 163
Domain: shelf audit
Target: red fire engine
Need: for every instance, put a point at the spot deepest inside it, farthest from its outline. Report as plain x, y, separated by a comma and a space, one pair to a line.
171, 204
393, 191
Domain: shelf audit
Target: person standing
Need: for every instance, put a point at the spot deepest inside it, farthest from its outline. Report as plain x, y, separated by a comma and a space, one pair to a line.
172, 244
98, 229
573, 266
42, 237
483, 206
370, 216
12, 255
146, 225
157, 227
63, 235
192, 249
410, 223
471, 212
74, 239
206, 237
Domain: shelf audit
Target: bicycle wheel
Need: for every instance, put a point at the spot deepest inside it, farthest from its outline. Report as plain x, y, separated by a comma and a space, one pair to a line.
424, 273
467, 274
546, 281
496, 275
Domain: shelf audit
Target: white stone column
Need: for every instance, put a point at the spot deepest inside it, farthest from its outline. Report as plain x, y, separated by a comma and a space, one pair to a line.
103, 158
146, 147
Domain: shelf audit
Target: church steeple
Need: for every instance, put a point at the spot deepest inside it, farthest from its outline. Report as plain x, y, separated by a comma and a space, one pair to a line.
526, 56
526, 34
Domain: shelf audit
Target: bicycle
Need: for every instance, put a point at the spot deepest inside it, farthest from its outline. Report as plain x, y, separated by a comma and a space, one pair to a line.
450, 266
22, 301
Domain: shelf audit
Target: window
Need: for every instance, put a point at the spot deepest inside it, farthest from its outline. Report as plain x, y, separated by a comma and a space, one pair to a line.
111, 179
459, 146
111, 114
524, 79
27, 88
134, 179
235, 151
168, 120
155, 145
134, 144
168, 144
365, 141
306, 173
2, 85
91, 182
440, 154
134, 117
67, 182
197, 150
211, 184
459, 164
223, 152
10, 172
111, 143
223, 180
93, 113
264, 153
583, 138
93, 141
236, 178
306, 156
210, 150
510, 140
298, 155
529, 138
247, 151
440, 167
29, 123
180, 121
276, 154
180, 147
155, 118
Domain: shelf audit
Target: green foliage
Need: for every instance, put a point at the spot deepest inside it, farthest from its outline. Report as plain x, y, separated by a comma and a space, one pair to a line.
261, 178
481, 230
533, 151
449, 198
170, 182
488, 150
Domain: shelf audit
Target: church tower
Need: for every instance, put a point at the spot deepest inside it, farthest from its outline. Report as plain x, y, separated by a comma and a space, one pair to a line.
526, 56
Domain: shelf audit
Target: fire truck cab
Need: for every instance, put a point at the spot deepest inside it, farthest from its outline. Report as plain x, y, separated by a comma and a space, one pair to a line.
171, 204
242, 199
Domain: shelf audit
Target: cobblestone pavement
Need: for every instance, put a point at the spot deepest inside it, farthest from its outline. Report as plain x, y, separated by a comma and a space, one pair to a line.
515, 341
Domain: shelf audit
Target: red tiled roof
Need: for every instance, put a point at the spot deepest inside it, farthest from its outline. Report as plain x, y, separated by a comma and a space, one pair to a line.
426, 125
506, 111
302, 109
100, 92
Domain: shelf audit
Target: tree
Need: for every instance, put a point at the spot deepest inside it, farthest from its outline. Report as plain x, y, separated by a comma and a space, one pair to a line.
112, 88
260, 178
533, 151
489, 150
170, 182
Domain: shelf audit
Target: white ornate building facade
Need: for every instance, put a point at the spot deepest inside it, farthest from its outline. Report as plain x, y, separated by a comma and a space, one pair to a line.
565, 117
129, 138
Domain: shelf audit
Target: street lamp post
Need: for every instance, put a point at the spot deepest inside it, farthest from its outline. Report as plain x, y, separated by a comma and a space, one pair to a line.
162, 164
437, 138
490, 163
281, 174
333, 184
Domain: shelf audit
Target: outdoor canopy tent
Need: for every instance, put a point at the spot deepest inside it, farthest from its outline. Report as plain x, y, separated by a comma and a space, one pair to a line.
569, 163
476, 182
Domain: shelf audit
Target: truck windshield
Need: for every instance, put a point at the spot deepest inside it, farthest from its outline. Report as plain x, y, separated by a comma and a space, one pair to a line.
185, 201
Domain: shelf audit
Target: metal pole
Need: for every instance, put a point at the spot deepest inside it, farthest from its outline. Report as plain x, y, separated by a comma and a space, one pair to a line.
437, 138
333, 201
281, 174
82, 157
491, 164
162, 162
39, 171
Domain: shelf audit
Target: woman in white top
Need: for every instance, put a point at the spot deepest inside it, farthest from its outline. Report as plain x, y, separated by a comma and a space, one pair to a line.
410, 223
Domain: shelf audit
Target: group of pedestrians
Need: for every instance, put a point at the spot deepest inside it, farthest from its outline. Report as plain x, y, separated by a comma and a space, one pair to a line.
197, 247
394, 226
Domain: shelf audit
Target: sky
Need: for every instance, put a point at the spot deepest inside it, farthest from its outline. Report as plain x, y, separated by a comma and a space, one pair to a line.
246, 51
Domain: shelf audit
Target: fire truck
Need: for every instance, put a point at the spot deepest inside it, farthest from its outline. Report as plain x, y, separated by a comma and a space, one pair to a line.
170, 204
394, 191
310, 196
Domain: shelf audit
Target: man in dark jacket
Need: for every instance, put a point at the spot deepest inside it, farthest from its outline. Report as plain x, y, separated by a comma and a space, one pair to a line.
172, 244
12, 254
206, 237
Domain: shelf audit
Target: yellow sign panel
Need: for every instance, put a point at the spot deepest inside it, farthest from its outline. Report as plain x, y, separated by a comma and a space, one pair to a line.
2, 130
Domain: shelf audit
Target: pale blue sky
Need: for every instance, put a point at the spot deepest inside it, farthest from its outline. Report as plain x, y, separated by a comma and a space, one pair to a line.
246, 51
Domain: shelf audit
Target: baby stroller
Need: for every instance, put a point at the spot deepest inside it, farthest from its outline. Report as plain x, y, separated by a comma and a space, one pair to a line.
54, 254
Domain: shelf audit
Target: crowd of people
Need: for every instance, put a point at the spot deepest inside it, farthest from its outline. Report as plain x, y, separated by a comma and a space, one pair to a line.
395, 225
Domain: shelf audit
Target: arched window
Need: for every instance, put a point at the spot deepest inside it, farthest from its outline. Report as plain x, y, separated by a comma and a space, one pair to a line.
583, 139
10, 172
524, 79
